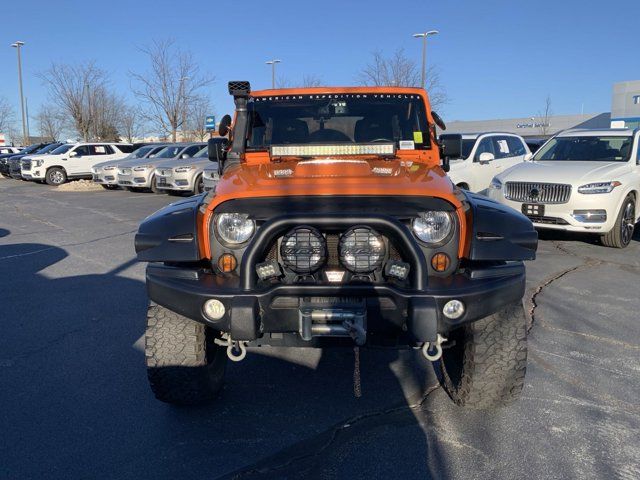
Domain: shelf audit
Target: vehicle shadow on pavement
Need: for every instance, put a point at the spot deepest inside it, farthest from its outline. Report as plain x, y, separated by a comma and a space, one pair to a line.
77, 385
563, 236
4, 232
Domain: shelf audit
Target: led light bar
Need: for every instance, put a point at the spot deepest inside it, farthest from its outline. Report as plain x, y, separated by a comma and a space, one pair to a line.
328, 150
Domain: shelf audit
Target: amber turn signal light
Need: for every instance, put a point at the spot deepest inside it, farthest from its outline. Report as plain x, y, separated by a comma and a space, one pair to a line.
227, 263
440, 262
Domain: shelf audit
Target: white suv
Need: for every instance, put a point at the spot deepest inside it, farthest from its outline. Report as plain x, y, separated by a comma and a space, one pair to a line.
580, 181
484, 155
71, 161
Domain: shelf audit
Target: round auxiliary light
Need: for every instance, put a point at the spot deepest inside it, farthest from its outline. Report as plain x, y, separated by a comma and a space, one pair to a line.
432, 227
453, 309
235, 228
214, 309
362, 250
303, 250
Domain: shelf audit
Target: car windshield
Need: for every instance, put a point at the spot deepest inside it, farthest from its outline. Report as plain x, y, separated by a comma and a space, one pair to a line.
467, 146
49, 148
170, 152
586, 148
140, 152
62, 149
29, 149
338, 118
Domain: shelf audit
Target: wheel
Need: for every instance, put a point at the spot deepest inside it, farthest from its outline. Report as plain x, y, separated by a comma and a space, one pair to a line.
622, 233
154, 186
199, 185
56, 176
109, 187
184, 365
485, 366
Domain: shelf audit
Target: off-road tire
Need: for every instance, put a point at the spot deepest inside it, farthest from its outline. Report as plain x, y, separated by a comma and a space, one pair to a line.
485, 368
618, 237
56, 176
184, 365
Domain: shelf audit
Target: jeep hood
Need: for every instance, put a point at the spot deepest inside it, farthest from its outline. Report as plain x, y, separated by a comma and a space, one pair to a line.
335, 176
564, 172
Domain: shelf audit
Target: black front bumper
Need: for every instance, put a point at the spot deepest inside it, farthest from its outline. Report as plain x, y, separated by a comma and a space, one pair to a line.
271, 315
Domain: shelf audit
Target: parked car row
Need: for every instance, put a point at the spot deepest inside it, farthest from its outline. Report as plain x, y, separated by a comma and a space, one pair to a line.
170, 167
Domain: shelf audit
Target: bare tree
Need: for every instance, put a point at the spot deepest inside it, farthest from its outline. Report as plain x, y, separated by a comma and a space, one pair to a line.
400, 71
544, 117
51, 122
7, 115
283, 82
131, 123
77, 91
310, 80
195, 125
170, 87
106, 112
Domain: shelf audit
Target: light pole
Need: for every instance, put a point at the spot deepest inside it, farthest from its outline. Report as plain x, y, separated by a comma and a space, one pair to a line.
17, 46
183, 101
424, 53
273, 71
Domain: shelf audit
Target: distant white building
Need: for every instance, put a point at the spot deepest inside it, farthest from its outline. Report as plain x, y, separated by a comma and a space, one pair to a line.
625, 105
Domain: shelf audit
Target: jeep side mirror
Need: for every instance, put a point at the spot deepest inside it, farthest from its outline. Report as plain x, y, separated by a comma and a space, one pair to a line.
486, 157
225, 123
217, 149
450, 147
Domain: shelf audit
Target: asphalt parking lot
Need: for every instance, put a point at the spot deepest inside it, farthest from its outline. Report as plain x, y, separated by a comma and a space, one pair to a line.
74, 399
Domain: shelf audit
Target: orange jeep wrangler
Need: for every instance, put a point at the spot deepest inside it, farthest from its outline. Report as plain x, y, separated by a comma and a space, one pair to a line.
334, 224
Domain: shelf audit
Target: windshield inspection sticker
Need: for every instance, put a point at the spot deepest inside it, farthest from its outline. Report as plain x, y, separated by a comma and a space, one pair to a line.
417, 137
407, 145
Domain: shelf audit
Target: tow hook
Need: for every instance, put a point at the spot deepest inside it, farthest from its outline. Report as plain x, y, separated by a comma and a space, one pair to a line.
433, 351
236, 349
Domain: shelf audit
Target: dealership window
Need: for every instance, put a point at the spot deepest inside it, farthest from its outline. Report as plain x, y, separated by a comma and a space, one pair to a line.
636, 99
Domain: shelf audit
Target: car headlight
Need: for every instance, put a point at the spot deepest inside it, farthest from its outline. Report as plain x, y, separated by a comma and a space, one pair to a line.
235, 228
38, 163
598, 187
432, 227
183, 169
109, 168
141, 168
495, 184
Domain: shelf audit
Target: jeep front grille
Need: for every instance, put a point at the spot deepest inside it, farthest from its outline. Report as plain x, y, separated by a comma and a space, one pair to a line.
531, 192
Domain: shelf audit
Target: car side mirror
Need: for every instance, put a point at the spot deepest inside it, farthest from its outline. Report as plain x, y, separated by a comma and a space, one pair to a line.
224, 126
217, 149
486, 157
528, 157
74, 154
450, 147
184, 155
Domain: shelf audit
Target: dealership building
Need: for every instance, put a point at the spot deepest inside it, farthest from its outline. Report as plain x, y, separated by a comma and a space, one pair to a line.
625, 113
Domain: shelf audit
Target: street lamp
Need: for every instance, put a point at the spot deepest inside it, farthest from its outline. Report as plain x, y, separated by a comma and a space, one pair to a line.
17, 46
273, 71
424, 53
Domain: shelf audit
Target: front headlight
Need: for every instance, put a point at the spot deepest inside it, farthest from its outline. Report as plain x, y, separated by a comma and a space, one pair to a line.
234, 228
141, 168
432, 227
495, 184
109, 168
598, 187
38, 163
183, 169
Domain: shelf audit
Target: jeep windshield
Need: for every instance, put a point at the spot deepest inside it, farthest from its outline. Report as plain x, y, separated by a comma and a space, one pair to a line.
322, 119
586, 148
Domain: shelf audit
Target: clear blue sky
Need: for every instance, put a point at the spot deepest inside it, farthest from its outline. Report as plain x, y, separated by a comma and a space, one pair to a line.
497, 59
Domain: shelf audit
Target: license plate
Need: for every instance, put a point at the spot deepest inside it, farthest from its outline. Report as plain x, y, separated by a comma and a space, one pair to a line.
162, 181
533, 209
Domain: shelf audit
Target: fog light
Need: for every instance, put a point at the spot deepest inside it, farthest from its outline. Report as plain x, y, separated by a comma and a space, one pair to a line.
227, 263
268, 270
214, 309
453, 309
396, 269
440, 262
